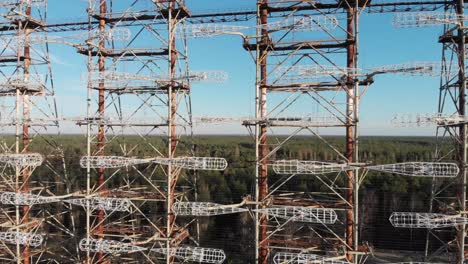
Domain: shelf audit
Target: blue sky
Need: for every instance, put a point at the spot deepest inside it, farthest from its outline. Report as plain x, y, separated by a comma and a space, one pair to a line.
380, 44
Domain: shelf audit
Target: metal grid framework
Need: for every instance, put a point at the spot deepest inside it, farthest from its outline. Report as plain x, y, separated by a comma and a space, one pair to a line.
426, 220
195, 254
205, 209
24, 239
294, 71
14, 198
110, 162
306, 52
307, 167
128, 82
296, 258
103, 203
324, 216
448, 196
452, 102
141, 92
426, 119
426, 19
22, 160
195, 163
420, 169
33, 174
108, 246
451, 124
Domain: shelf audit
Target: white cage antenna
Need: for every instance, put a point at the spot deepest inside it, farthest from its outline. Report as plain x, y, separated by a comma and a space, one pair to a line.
303, 214
197, 254
20, 238
29, 199
426, 220
103, 203
108, 246
205, 209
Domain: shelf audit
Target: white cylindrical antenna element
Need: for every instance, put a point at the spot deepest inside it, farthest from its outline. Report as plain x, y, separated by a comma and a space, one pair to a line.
304, 73
318, 70
300, 258
10, 45
309, 23
14, 3
428, 119
114, 34
22, 160
421, 68
109, 34
25, 82
426, 19
303, 214
114, 80
25, 239
109, 162
413, 120
20, 41
204, 209
196, 254
195, 163
208, 30
448, 120
103, 203
108, 246
212, 119
307, 167
420, 169
425, 220
297, 121
13, 198
119, 80
206, 76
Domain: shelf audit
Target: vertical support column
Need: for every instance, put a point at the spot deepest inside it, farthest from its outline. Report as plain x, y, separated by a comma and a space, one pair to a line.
25, 135
172, 131
88, 133
463, 147
351, 132
101, 138
261, 131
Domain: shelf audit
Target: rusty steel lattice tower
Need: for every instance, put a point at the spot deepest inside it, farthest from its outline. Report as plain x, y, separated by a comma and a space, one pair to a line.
297, 43
139, 79
33, 175
452, 102
448, 196
139, 85
307, 60
137, 93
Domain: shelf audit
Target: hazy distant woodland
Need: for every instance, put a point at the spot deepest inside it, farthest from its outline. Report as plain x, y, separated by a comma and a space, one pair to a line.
380, 194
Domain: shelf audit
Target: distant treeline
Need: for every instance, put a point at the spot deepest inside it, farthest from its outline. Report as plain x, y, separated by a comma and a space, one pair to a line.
239, 151
380, 194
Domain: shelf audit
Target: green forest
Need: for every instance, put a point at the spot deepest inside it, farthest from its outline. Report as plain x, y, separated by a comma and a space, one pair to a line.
380, 193
236, 181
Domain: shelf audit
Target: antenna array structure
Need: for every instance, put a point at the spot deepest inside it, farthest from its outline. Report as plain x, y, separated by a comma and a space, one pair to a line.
139, 97
452, 101
139, 83
306, 54
448, 198
33, 172
327, 44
